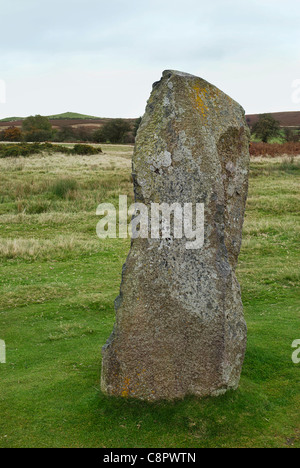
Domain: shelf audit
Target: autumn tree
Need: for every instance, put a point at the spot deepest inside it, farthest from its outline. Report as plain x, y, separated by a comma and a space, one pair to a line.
12, 134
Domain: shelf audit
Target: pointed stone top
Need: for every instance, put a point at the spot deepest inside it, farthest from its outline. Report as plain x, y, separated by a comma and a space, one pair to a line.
169, 73
188, 78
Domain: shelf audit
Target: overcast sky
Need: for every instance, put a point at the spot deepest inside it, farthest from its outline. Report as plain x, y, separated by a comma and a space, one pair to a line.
101, 57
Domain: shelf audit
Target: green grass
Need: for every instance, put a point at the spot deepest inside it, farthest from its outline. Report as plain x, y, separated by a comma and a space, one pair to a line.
58, 283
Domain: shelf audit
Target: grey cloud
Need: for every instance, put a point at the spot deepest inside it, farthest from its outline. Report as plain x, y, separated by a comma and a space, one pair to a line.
233, 41
146, 28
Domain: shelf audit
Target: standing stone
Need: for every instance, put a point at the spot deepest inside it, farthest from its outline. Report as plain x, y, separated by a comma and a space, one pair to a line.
179, 325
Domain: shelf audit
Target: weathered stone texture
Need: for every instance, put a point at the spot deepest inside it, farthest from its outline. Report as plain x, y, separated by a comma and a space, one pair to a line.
179, 319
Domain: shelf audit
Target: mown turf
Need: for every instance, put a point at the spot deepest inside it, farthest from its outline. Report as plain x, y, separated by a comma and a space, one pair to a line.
58, 283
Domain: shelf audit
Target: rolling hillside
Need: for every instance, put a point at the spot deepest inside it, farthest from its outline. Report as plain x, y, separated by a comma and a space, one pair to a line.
73, 119
65, 115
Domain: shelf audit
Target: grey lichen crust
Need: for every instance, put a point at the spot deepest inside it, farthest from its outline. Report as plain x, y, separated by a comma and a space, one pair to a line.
179, 325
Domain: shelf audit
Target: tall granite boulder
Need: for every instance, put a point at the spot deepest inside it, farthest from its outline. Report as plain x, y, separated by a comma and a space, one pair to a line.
179, 325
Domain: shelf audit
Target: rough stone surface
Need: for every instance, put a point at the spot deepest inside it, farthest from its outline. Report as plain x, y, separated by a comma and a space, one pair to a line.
179, 325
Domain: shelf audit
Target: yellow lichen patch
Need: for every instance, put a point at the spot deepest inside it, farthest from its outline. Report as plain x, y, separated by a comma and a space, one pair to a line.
200, 96
125, 391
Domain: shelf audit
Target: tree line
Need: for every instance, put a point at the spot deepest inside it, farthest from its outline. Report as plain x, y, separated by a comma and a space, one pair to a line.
38, 129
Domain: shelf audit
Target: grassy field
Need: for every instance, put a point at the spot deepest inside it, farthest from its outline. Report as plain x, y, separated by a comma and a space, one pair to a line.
58, 282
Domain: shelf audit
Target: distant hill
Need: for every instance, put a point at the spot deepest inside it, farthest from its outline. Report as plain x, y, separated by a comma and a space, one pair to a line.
286, 119
78, 127
71, 115
67, 119
12, 119
64, 116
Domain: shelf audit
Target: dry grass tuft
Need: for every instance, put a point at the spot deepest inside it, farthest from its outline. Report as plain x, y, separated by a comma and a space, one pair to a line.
32, 249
